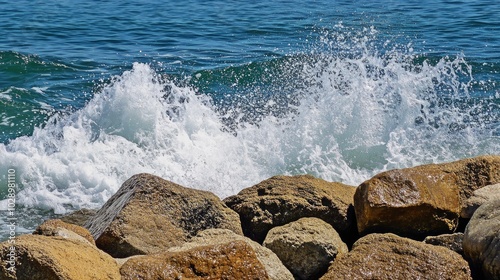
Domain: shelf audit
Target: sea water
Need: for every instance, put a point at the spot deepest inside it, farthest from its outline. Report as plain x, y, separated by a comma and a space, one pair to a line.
221, 95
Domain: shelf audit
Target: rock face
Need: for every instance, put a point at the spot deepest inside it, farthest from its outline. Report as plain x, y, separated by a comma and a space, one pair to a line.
306, 247
482, 239
284, 199
149, 214
57, 227
423, 200
388, 256
451, 241
49, 258
272, 264
233, 260
479, 197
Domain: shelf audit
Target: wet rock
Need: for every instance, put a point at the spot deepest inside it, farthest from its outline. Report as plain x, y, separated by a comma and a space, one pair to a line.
306, 247
272, 264
482, 239
149, 214
56, 227
479, 197
424, 200
451, 241
388, 256
41, 257
233, 260
284, 199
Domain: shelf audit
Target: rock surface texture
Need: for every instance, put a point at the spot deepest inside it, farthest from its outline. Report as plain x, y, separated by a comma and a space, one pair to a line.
57, 258
57, 227
273, 265
482, 239
306, 247
388, 256
423, 200
479, 197
452, 241
233, 260
284, 199
149, 214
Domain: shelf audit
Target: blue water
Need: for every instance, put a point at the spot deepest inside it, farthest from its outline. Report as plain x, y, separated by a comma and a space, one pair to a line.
220, 95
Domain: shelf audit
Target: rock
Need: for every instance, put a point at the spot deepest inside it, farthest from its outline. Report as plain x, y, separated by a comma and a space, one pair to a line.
451, 241
78, 217
149, 214
479, 197
306, 247
53, 257
273, 265
424, 200
233, 260
482, 239
388, 256
283, 199
56, 227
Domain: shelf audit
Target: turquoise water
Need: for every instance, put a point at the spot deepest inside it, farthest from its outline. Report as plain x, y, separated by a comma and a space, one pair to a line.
221, 95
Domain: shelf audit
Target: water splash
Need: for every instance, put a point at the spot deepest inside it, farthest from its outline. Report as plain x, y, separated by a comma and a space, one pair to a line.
351, 111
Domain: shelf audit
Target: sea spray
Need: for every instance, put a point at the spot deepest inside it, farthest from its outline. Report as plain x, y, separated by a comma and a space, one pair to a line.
343, 112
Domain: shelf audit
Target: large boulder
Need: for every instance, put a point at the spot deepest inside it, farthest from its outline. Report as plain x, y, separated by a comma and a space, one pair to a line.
482, 239
272, 264
233, 260
306, 247
56, 227
283, 199
388, 256
39, 257
479, 197
149, 214
423, 200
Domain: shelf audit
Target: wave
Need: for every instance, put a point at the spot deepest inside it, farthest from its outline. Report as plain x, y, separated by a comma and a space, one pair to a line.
338, 113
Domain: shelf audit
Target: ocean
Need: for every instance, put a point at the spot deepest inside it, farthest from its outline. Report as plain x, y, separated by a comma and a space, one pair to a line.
220, 95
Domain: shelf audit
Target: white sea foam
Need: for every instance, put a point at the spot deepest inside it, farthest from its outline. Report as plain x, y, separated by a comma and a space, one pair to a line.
359, 115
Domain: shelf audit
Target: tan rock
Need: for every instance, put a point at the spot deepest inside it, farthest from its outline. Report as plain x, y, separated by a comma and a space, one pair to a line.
57, 227
284, 199
388, 256
273, 265
423, 200
149, 214
41, 257
306, 246
482, 239
233, 260
479, 197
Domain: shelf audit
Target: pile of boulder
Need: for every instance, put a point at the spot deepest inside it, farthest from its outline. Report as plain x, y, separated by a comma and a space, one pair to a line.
436, 221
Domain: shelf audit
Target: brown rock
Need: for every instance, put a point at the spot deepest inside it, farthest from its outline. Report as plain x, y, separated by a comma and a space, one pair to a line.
306, 246
482, 239
284, 199
55, 228
233, 260
272, 264
451, 241
388, 256
423, 200
149, 214
41, 257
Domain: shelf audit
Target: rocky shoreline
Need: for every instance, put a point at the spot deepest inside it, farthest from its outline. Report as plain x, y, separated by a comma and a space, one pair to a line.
436, 221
